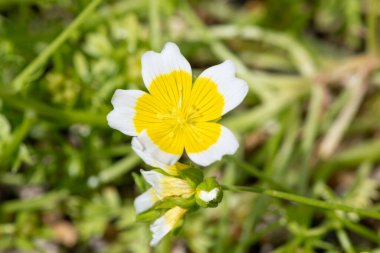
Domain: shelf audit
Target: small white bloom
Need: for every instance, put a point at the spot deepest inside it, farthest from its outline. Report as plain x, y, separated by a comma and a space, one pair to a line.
145, 201
166, 223
166, 186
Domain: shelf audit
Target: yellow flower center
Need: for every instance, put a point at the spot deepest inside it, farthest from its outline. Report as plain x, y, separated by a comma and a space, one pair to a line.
176, 112
179, 116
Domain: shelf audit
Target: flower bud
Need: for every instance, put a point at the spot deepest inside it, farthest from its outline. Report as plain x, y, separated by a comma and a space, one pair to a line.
208, 193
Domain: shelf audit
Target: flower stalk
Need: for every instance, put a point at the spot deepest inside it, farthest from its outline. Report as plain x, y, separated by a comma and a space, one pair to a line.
305, 200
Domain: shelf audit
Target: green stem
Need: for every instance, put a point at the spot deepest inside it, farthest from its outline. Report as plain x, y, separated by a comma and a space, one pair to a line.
154, 23
312, 122
21, 79
360, 230
112, 151
17, 137
250, 169
13, 179
61, 115
305, 200
287, 149
115, 171
224, 220
368, 151
258, 209
344, 241
261, 114
372, 27
334, 108
257, 77
298, 54
311, 129
222, 52
337, 130
43, 202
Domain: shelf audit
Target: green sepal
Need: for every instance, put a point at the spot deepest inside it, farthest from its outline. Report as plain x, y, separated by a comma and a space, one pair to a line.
170, 202
193, 209
161, 171
149, 215
193, 175
179, 167
141, 184
178, 227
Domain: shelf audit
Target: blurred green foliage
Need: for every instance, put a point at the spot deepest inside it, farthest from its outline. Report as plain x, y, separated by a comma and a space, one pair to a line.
310, 124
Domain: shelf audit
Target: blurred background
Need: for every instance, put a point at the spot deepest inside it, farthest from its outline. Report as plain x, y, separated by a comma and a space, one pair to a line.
309, 125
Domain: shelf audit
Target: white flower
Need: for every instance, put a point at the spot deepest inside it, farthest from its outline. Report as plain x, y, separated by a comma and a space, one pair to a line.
166, 223
148, 158
166, 186
176, 115
145, 201
163, 186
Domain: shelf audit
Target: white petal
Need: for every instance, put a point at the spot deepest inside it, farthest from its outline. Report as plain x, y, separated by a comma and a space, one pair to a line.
165, 186
226, 144
140, 150
209, 196
151, 153
165, 223
155, 64
121, 117
232, 88
154, 179
159, 229
145, 201
149, 160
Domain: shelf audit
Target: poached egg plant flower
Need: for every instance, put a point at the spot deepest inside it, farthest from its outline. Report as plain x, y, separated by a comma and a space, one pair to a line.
177, 115
162, 187
170, 197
